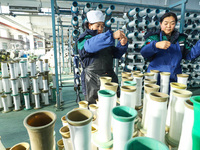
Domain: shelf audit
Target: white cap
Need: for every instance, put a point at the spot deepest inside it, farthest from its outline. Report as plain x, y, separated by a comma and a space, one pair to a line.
94, 16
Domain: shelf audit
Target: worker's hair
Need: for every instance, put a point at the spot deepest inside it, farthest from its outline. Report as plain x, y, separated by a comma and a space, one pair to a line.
168, 14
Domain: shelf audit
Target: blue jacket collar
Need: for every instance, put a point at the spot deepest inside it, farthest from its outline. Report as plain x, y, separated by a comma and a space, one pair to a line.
87, 32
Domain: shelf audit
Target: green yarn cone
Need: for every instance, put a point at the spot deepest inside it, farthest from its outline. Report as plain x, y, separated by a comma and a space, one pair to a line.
196, 126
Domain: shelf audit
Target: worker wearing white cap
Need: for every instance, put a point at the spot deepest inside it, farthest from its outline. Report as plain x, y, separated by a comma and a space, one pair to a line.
97, 50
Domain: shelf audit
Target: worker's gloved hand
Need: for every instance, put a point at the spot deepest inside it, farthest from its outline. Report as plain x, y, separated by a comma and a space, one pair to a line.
163, 44
118, 35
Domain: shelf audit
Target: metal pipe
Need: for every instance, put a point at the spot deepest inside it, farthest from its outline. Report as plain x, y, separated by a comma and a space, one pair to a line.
144, 12
59, 52
143, 23
154, 12
62, 48
132, 35
109, 10
108, 23
132, 57
124, 27
55, 54
74, 7
133, 11
86, 8
162, 12
131, 4
74, 21
153, 24
133, 23
116, 60
192, 26
141, 35
100, 6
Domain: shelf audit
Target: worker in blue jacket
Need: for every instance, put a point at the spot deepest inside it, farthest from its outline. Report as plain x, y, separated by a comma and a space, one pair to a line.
167, 47
97, 50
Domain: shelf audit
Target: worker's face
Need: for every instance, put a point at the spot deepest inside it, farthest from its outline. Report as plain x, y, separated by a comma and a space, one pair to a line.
97, 26
168, 25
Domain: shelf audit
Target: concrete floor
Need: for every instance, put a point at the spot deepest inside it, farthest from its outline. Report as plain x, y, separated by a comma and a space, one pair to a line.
12, 130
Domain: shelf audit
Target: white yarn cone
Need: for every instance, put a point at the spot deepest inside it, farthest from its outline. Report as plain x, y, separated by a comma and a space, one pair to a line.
45, 83
64, 121
19, 83
173, 86
46, 66
5, 104
104, 80
149, 75
94, 109
14, 86
149, 81
4, 69
128, 96
26, 67
22, 66
24, 84
27, 101
16, 100
46, 98
164, 82
33, 68
106, 98
126, 74
177, 114
124, 79
148, 88
186, 133
80, 122
138, 78
155, 72
40, 66
35, 85
40, 82
103, 138
17, 69
1, 85
112, 86
135, 72
83, 104
9, 100
67, 141
157, 116
123, 120
21, 146
94, 130
6, 85
182, 78
1, 104
12, 70
37, 101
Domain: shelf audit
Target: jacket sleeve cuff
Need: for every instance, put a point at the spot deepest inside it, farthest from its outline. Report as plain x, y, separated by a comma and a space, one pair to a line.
154, 46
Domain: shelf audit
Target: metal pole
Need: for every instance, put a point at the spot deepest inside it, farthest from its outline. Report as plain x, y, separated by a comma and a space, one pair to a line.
70, 69
59, 50
55, 55
62, 47
116, 60
183, 7
182, 22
